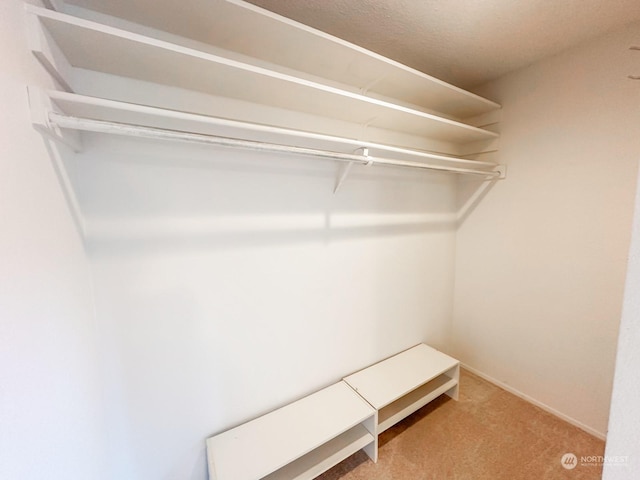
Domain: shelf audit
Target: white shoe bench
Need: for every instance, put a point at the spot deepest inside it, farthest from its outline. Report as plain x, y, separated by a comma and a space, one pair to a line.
400, 385
307, 437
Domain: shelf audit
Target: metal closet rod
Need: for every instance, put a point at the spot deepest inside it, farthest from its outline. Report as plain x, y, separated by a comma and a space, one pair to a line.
101, 126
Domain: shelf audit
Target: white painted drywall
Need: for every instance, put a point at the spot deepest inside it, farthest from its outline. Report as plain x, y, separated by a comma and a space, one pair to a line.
230, 283
50, 399
540, 263
623, 439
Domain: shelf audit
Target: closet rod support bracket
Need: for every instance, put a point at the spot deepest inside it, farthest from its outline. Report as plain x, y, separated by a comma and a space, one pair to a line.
40, 105
346, 168
343, 172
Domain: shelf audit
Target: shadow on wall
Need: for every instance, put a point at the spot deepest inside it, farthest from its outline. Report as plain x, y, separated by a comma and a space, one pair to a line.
136, 194
121, 239
470, 193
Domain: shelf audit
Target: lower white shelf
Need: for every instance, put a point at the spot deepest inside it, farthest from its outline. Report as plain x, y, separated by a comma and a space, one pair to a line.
325, 456
414, 400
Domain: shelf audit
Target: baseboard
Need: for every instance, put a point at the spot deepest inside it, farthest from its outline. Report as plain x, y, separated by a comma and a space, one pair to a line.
546, 408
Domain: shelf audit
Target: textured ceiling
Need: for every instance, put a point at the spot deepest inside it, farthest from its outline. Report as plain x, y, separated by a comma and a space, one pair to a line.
464, 42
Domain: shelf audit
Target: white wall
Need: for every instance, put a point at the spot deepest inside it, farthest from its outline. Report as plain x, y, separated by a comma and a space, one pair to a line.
623, 439
540, 263
231, 283
50, 400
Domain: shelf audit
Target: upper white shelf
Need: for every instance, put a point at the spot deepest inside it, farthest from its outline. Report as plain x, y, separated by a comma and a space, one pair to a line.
94, 46
244, 28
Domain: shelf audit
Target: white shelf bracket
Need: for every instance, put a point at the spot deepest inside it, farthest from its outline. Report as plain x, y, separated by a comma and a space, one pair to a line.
45, 49
365, 89
40, 105
57, 5
364, 151
364, 128
346, 168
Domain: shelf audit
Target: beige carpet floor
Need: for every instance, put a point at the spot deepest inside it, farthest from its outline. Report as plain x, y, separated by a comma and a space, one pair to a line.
488, 434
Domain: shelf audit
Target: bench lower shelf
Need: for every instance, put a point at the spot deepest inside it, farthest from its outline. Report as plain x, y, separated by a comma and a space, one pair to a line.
325, 456
413, 401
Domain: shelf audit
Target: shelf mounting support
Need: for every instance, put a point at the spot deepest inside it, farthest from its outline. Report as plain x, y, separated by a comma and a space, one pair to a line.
365, 89
40, 105
346, 168
57, 5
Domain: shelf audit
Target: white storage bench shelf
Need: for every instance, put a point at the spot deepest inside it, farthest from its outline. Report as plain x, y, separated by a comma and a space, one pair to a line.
400, 385
298, 441
307, 437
